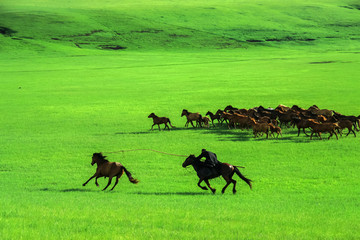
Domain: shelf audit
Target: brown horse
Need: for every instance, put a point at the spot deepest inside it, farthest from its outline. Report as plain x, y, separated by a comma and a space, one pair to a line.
213, 117
191, 117
160, 120
319, 128
205, 173
108, 169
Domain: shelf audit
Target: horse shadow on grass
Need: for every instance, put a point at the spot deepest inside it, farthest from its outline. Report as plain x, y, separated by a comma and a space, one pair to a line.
132, 133
137, 193
66, 190
172, 193
156, 130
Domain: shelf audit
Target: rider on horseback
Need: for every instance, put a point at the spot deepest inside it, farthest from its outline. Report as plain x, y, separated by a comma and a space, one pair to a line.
210, 160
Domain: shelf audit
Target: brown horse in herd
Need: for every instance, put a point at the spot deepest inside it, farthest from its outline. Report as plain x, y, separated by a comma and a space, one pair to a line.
205, 173
160, 120
108, 169
192, 117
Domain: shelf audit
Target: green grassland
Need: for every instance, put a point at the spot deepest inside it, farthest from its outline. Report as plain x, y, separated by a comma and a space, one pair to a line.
79, 77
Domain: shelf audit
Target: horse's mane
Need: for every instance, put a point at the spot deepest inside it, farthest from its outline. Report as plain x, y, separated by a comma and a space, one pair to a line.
101, 156
194, 157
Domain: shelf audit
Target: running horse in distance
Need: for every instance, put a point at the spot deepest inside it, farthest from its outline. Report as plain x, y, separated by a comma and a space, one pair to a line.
205, 173
108, 169
160, 120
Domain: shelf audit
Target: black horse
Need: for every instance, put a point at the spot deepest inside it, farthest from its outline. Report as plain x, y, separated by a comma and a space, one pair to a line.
205, 173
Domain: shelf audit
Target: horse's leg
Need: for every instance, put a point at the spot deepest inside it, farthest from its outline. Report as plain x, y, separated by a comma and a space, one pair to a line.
330, 134
208, 184
340, 132
203, 188
192, 123
187, 123
109, 182
116, 182
117, 178
96, 182
152, 127
305, 132
335, 135
229, 180
227, 184
234, 182
89, 179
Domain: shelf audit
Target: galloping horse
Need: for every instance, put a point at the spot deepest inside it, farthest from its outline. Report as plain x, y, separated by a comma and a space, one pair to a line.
205, 173
160, 120
191, 117
108, 169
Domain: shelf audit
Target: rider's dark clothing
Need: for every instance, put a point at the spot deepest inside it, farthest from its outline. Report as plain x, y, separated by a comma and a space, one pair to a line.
210, 159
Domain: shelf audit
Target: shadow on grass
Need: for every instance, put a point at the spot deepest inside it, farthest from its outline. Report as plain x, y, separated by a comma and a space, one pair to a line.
66, 190
125, 133
156, 130
173, 193
225, 134
235, 135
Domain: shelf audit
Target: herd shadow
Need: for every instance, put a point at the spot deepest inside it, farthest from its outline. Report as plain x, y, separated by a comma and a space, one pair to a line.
237, 135
234, 135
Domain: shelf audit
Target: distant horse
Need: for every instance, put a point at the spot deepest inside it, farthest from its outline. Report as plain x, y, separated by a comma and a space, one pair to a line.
214, 117
108, 169
205, 173
325, 112
160, 120
191, 117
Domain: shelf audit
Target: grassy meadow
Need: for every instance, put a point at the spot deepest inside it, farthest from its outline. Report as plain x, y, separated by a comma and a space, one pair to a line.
79, 77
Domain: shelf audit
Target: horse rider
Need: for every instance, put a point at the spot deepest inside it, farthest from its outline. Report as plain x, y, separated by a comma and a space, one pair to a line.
211, 160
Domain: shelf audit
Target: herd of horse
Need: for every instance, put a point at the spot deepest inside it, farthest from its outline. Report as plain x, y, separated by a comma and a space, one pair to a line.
270, 121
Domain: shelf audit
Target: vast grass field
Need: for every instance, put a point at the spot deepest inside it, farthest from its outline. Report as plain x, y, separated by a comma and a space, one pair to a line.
79, 77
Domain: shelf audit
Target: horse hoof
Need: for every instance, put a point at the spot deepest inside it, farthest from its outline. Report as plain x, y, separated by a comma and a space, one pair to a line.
234, 192
213, 191
84, 185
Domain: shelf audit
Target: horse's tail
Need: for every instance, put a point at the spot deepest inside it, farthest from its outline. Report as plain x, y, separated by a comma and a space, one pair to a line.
248, 181
170, 123
128, 174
